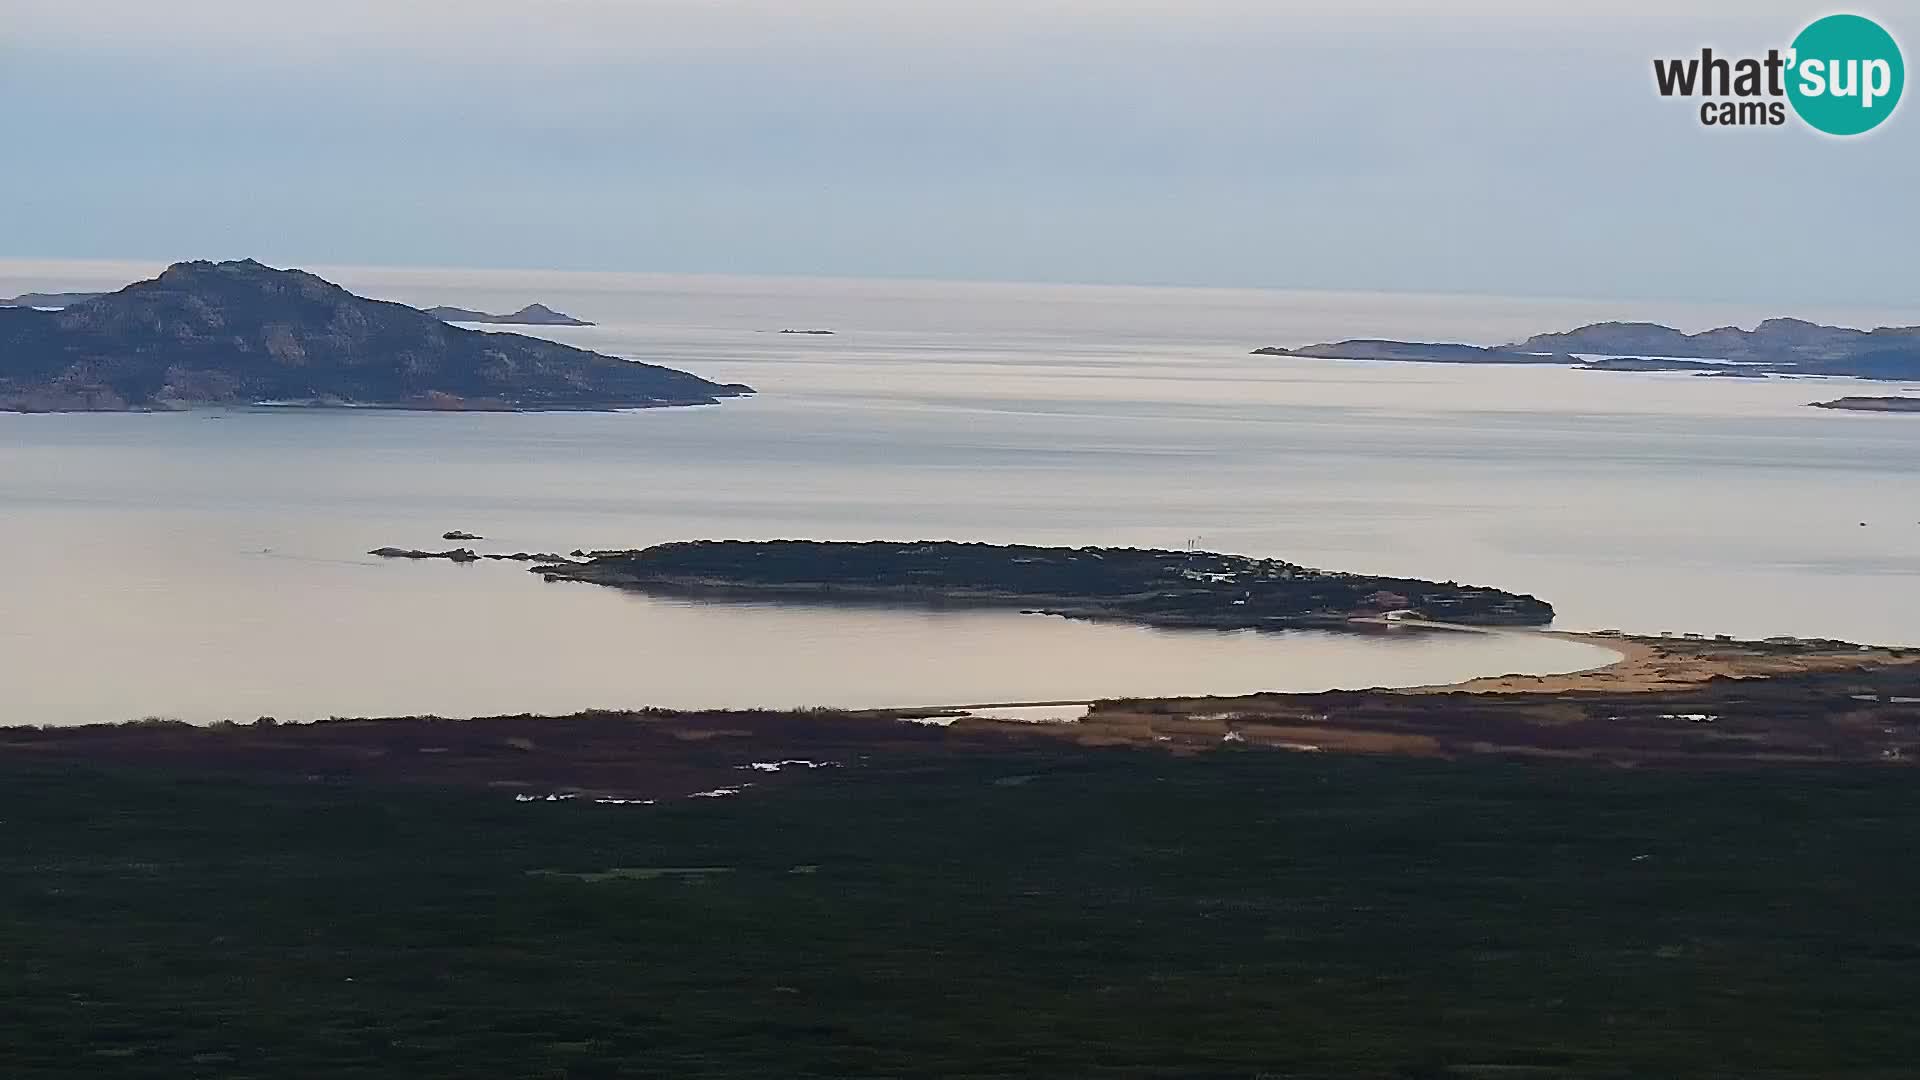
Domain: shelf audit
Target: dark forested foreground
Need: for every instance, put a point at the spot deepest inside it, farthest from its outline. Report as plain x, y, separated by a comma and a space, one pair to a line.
1020, 913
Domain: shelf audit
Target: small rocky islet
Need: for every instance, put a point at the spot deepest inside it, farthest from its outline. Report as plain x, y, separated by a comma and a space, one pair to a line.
466, 555
531, 315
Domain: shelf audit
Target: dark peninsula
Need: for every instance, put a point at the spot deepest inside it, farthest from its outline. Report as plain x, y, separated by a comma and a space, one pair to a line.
531, 315
1152, 587
240, 333
1774, 347
1872, 404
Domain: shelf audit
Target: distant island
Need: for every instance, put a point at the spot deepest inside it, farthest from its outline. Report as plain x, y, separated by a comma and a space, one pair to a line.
1422, 352
531, 315
1871, 404
50, 299
240, 333
1774, 347
814, 333
1140, 585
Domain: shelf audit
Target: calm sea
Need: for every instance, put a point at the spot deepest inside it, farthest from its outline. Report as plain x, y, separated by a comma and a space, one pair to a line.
210, 565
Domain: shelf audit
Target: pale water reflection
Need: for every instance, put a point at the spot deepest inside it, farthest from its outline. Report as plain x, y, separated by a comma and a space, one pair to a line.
172, 565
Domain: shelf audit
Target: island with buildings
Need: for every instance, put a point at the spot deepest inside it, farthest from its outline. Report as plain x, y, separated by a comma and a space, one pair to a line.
1142, 585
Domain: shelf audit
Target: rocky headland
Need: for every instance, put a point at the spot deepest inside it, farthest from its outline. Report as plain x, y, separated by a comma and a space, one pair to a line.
240, 333
1872, 404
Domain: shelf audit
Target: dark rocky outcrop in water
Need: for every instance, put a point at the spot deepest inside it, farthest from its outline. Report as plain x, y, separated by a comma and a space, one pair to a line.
1872, 404
453, 555
1157, 588
531, 315
240, 333
467, 555
456, 534
1774, 347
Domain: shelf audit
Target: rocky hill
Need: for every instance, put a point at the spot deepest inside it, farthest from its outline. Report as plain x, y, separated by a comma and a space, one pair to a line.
238, 333
1776, 341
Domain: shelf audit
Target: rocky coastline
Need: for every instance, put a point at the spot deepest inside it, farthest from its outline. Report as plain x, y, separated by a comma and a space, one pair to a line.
1773, 347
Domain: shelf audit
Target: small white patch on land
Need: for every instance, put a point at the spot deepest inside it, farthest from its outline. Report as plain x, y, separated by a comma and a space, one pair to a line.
792, 763
1034, 714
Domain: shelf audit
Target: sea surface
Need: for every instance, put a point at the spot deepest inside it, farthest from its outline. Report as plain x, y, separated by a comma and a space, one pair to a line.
211, 565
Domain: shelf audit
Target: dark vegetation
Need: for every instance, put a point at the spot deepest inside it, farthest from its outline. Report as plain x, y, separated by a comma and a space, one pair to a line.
237, 333
1168, 588
1020, 914
1866, 715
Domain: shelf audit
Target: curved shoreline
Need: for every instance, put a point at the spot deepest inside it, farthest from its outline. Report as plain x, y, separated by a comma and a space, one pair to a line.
1680, 702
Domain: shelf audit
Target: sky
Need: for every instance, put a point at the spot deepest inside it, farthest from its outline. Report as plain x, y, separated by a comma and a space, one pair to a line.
1498, 147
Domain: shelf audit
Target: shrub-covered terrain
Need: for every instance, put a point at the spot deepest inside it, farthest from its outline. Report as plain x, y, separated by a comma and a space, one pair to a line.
1024, 913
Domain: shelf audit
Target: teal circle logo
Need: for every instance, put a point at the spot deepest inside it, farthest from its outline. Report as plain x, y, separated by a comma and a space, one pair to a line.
1846, 75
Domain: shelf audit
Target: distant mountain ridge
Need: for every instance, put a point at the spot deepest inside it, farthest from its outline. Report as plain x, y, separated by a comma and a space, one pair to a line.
531, 315
1772, 341
1775, 346
50, 299
237, 333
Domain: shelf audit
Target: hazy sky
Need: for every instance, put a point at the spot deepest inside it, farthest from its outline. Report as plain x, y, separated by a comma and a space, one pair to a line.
1503, 147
